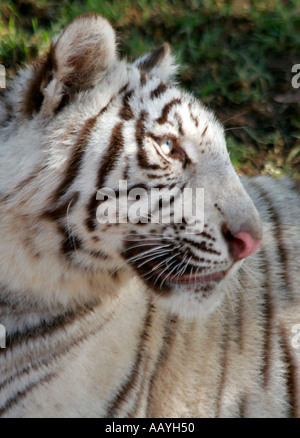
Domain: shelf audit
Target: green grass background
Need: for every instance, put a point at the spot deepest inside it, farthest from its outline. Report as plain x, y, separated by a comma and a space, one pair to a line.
236, 56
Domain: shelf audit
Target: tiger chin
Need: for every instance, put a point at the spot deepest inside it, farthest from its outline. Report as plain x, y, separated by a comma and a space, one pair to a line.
138, 317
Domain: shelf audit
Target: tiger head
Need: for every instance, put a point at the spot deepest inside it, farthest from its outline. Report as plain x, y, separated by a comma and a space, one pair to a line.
81, 120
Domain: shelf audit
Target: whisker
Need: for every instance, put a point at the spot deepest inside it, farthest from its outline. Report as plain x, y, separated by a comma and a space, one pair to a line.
187, 264
166, 261
170, 273
236, 127
141, 255
182, 262
138, 256
140, 246
166, 251
161, 263
147, 234
149, 240
162, 272
234, 117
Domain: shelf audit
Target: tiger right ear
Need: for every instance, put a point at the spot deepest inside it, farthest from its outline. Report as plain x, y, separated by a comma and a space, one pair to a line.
77, 60
159, 62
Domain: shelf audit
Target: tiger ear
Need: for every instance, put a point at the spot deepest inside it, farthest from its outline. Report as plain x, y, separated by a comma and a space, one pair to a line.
77, 60
159, 62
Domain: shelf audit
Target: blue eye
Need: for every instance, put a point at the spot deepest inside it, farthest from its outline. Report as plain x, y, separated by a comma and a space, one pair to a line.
167, 146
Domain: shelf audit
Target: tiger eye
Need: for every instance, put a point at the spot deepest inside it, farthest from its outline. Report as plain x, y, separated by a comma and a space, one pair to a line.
167, 146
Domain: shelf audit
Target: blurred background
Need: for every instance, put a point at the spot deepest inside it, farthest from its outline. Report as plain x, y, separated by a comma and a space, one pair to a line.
236, 56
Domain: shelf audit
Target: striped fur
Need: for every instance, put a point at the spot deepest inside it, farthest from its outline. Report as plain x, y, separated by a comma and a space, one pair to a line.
117, 320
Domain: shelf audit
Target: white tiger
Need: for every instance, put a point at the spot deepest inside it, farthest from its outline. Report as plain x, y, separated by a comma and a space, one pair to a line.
137, 320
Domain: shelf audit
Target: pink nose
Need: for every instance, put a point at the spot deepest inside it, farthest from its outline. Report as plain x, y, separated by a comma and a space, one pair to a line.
242, 244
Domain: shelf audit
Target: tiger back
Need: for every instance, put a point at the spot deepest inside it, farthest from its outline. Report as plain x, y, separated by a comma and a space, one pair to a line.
139, 318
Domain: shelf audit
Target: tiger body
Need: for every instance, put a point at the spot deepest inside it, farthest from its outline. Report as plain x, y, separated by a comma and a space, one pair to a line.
91, 330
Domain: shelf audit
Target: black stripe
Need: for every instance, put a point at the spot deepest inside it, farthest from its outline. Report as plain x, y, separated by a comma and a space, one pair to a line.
166, 110
140, 136
130, 384
201, 246
124, 393
169, 337
70, 242
154, 58
55, 354
38, 169
99, 255
78, 151
126, 112
45, 327
242, 406
108, 162
208, 236
195, 119
291, 374
223, 363
22, 394
282, 253
239, 317
158, 91
140, 185
76, 158
143, 78
126, 169
155, 176
204, 131
267, 313
60, 211
180, 124
146, 379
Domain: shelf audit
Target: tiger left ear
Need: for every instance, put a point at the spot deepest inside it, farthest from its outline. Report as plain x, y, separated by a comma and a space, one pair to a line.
78, 59
159, 62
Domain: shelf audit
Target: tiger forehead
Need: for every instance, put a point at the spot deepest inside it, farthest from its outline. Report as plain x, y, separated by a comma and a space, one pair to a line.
165, 103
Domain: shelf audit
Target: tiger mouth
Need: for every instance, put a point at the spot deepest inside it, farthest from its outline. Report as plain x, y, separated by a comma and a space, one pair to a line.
164, 279
166, 270
214, 277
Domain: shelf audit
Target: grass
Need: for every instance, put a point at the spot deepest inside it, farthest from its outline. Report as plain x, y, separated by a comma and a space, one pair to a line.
236, 56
